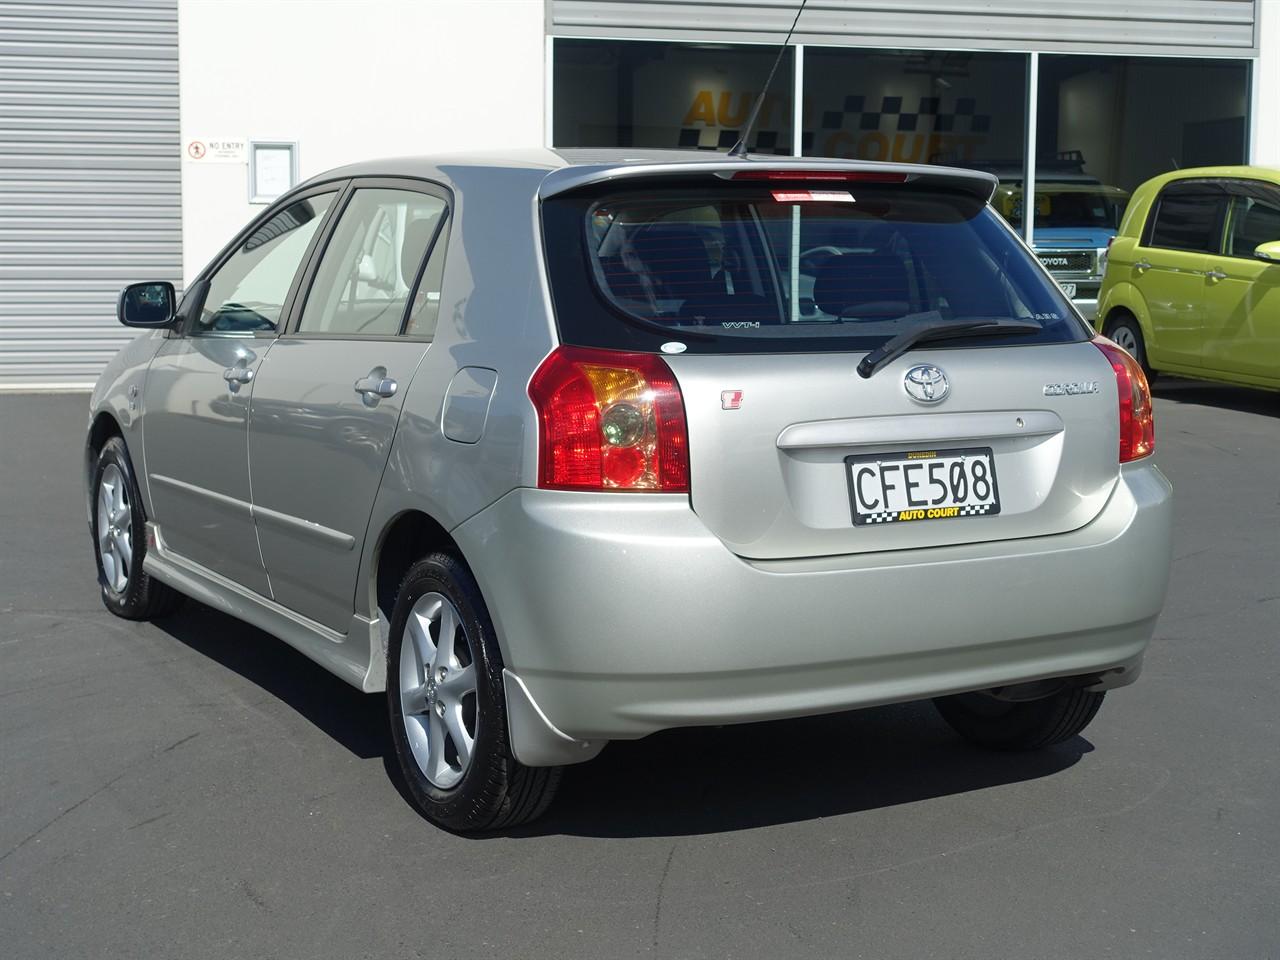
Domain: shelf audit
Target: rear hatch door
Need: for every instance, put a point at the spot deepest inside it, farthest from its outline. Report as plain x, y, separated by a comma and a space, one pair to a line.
764, 286
776, 442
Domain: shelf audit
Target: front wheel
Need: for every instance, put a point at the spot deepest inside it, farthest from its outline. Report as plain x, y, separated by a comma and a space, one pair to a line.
448, 711
1025, 725
120, 540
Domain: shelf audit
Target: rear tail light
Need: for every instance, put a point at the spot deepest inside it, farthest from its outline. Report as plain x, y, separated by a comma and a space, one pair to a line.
1137, 422
609, 421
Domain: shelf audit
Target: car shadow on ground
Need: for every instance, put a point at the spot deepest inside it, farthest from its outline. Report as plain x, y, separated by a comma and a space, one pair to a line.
718, 779
353, 719
1242, 399
676, 783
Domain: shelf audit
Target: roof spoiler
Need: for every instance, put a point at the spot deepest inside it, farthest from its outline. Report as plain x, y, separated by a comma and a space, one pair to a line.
976, 183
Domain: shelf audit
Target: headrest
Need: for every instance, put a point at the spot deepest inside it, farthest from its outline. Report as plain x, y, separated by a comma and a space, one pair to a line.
855, 278
676, 258
417, 234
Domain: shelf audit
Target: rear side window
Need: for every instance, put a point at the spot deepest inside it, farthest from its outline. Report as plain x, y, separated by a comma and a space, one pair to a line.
742, 268
1188, 216
1255, 219
369, 273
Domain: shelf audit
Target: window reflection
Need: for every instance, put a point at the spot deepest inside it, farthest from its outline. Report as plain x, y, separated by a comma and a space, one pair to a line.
697, 96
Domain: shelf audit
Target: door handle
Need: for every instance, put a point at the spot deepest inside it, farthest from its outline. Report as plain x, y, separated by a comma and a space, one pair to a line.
376, 386
1215, 275
236, 376
1142, 266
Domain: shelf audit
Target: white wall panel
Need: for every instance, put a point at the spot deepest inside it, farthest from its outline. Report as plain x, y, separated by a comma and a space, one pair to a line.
349, 80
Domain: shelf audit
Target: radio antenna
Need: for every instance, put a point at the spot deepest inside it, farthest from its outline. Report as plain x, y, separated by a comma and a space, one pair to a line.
739, 149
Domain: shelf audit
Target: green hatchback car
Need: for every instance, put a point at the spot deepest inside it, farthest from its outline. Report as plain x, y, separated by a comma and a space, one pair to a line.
1192, 285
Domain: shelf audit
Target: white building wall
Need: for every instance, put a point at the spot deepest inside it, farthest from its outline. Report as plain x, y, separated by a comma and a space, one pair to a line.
1266, 113
348, 80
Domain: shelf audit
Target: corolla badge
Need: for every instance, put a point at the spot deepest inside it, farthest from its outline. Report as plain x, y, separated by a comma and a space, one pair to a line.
926, 383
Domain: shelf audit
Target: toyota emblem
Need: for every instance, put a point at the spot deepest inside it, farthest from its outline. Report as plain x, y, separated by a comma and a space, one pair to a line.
926, 383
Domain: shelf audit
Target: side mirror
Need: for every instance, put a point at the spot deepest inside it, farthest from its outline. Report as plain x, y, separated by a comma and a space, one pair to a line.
1270, 251
149, 305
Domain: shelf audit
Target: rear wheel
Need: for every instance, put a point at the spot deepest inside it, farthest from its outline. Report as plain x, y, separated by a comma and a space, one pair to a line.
1025, 725
448, 711
1124, 329
120, 540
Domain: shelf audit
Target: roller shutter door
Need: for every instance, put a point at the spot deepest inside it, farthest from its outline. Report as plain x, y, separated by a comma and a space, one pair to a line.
89, 178
1169, 27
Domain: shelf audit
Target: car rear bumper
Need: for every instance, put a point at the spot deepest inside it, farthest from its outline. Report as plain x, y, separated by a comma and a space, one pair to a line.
621, 615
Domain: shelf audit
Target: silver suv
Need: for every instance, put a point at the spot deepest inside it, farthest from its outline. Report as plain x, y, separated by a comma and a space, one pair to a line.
553, 449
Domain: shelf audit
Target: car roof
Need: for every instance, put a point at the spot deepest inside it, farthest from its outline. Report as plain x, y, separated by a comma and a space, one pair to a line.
1242, 171
558, 170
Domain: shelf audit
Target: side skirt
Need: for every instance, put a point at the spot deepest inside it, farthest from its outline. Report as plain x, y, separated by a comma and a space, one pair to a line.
358, 657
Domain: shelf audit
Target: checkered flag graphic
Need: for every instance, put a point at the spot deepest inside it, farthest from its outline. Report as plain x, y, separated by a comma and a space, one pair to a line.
961, 117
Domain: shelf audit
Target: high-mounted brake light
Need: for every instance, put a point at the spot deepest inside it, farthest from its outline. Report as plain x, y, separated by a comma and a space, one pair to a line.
812, 196
1137, 420
609, 421
841, 176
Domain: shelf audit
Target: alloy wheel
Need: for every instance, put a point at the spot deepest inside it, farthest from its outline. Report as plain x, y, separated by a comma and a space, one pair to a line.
115, 529
438, 690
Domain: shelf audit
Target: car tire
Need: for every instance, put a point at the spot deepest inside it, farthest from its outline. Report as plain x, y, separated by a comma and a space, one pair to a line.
119, 528
1126, 332
1024, 725
441, 698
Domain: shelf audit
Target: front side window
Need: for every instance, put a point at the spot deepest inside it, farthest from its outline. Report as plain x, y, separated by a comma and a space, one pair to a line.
1255, 219
1188, 217
249, 290
369, 276
733, 269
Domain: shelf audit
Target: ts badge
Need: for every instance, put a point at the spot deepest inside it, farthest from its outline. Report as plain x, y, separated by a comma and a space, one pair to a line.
730, 399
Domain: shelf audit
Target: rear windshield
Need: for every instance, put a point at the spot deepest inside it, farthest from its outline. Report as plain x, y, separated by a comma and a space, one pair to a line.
736, 268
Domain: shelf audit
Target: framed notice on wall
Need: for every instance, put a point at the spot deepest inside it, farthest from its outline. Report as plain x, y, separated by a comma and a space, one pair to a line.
273, 169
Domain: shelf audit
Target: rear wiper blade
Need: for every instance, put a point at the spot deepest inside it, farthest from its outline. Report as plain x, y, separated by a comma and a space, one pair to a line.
940, 329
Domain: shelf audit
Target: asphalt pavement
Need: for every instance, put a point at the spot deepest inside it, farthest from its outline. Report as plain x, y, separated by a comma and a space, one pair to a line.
195, 788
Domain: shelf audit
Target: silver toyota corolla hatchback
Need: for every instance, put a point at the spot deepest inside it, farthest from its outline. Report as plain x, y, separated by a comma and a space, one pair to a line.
559, 448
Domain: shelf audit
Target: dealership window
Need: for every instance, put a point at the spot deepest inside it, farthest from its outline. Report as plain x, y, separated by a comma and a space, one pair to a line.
916, 106
621, 93
1123, 120
1105, 124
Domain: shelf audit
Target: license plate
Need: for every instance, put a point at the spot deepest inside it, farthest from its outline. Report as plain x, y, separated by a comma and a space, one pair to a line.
1069, 289
923, 485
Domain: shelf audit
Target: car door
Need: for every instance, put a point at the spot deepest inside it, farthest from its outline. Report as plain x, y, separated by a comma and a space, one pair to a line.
197, 391
328, 396
1242, 293
1183, 230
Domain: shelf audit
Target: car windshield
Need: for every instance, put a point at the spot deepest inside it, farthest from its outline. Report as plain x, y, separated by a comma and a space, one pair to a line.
1080, 209
832, 268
